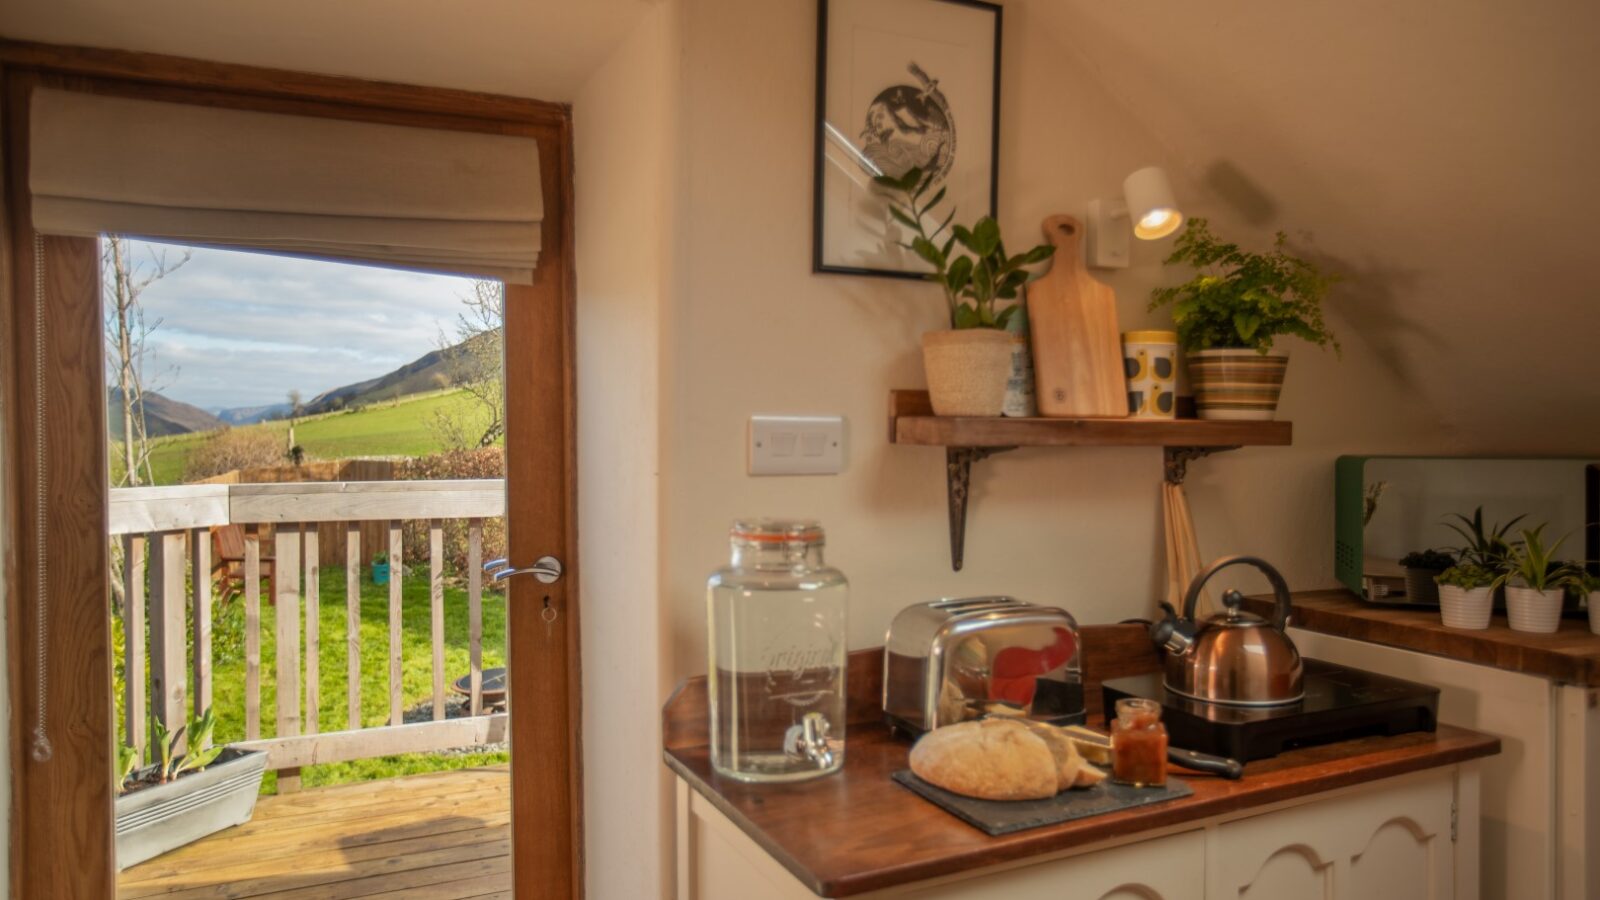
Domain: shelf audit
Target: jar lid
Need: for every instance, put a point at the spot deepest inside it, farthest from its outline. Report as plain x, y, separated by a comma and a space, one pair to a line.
777, 531
1149, 337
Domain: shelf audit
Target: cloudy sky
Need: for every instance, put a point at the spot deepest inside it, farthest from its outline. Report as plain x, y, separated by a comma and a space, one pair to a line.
243, 329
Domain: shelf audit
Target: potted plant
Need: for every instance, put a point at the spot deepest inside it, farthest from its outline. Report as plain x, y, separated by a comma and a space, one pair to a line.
1535, 583
181, 799
1466, 596
380, 568
1230, 314
1422, 567
969, 364
1587, 586
1486, 546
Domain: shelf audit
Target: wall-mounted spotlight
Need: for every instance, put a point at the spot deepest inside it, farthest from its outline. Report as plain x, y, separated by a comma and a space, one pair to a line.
1146, 204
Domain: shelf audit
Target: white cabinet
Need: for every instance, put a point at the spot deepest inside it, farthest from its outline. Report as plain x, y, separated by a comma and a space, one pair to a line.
1541, 794
1393, 844
1397, 839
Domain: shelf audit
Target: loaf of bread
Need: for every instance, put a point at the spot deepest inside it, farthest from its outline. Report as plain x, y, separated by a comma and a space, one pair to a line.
991, 759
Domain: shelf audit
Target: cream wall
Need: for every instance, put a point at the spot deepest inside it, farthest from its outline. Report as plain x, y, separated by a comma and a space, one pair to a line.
754, 331
624, 123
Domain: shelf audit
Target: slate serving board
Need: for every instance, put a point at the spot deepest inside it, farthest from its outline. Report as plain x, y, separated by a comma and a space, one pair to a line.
997, 817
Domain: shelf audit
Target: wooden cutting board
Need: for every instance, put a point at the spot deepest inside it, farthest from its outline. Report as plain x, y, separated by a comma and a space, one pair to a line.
1077, 347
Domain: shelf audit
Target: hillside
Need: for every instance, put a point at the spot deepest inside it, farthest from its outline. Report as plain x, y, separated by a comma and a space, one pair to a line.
163, 416
429, 372
249, 415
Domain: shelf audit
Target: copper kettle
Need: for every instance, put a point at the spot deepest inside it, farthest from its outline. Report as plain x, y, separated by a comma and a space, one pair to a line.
1234, 657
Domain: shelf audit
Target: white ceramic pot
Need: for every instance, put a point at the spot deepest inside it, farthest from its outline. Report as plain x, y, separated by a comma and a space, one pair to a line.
1534, 611
967, 370
1594, 611
1461, 608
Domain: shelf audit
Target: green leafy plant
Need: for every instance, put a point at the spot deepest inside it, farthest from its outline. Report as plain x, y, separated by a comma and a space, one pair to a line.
1240, 299
1584, 583
1369, 501
1485, 546
972, 281
1466, 576
127, 761
1535, 565
200, 732
1432, 560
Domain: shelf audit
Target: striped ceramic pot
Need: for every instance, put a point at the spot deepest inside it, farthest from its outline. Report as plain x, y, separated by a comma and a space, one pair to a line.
1236, 384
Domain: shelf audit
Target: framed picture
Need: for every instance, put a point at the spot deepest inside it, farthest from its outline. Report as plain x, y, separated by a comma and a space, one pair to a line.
901, 83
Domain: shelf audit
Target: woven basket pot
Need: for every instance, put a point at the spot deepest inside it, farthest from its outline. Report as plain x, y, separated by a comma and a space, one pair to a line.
1237, 384
967, 370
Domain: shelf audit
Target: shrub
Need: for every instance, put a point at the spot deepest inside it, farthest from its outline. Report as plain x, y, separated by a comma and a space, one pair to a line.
1431, 560
233, 448
485, 462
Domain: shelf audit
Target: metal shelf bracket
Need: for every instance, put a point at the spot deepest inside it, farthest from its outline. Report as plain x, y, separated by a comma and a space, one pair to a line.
958, 477
1177, 460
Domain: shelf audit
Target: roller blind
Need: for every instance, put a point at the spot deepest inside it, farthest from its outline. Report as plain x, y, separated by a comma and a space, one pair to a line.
391, 194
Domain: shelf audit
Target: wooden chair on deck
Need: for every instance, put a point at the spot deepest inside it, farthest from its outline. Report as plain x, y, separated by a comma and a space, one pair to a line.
227, 563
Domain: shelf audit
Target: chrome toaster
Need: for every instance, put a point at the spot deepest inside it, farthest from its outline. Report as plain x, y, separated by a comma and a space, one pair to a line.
952, 660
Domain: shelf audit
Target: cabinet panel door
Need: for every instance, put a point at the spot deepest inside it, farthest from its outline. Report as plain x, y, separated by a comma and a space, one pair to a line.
1388, 840
1169, 868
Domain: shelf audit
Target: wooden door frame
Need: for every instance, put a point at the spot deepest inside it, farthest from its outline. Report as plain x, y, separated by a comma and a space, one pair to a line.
61, 838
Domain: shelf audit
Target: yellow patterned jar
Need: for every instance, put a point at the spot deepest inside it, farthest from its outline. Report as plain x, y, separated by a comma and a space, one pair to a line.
1150, 361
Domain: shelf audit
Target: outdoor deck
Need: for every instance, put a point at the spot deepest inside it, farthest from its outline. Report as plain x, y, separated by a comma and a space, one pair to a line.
440, 836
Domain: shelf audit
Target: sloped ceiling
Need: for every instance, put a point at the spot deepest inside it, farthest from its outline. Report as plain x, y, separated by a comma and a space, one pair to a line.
544, 49
1441, 153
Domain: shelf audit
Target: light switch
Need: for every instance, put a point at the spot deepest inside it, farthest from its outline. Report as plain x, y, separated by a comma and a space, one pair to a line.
796, 445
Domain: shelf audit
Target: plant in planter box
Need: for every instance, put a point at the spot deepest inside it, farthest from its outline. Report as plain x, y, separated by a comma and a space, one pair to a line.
182, 798
1486, 547
1422, 567
968, 365
380, 568
1535, 583
1230, 314
1466, 595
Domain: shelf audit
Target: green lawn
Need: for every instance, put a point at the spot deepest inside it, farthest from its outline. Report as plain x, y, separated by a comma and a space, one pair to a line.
228, 692
402, 427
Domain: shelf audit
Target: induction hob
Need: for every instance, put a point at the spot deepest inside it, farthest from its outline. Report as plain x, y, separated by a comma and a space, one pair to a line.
1340, 703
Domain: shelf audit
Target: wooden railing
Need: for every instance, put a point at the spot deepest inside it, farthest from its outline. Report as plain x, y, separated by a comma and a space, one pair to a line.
159, 526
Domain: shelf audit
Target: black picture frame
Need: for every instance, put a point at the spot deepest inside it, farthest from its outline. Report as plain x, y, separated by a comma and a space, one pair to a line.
818, 264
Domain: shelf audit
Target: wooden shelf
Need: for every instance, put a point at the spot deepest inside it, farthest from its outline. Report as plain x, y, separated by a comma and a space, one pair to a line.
968, 440
911, 421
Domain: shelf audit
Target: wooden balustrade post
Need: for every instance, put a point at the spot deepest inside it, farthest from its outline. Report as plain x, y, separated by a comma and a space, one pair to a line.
252, 632
313, 563
286, 565
436, 595
169, 682
133, 609
352, 620
396, 711
475, 611
200, 585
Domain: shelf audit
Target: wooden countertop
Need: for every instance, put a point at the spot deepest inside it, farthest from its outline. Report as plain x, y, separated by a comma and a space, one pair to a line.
1570, 655
858, 831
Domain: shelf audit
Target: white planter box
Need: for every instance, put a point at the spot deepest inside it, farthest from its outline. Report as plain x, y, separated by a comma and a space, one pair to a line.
153, 820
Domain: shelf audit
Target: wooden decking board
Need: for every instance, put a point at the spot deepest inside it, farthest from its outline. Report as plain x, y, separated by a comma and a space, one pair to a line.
441, 836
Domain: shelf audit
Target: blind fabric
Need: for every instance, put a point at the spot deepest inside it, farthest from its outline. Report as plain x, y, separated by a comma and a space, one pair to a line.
391, 194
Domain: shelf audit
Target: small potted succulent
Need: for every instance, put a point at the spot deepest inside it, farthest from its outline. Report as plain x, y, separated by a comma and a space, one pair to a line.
1230, 314
1587, 586
1422, 567
1536, 583
1466, 596
969, 364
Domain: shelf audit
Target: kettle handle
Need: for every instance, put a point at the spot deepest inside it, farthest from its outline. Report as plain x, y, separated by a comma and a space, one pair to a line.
1280, 588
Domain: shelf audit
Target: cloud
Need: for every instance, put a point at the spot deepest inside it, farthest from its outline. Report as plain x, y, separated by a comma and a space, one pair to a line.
243, 329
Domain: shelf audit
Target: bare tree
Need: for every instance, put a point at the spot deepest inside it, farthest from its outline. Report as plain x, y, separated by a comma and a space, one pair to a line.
126, 331
473, 362
295, 410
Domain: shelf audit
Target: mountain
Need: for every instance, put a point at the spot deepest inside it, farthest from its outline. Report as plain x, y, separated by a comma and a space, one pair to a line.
429, 372
249, 415
162, 415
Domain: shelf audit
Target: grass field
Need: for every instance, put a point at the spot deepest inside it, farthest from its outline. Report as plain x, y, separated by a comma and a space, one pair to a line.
402, 427
228, 690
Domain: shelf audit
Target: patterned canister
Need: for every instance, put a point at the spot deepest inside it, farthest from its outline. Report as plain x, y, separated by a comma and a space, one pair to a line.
1150, 360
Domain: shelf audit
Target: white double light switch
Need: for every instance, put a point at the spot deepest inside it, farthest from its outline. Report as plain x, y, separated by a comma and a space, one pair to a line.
796, 445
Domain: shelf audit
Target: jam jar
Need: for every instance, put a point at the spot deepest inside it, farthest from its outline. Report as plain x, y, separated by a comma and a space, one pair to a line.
1138, 744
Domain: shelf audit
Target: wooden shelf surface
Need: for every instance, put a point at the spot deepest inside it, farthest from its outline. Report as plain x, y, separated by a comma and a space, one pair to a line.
911, 421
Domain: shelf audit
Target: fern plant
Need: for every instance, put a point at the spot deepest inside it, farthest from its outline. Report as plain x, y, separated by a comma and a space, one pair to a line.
1238, 299
973, 281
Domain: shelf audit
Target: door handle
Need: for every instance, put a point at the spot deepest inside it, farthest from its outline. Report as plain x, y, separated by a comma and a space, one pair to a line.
547, 570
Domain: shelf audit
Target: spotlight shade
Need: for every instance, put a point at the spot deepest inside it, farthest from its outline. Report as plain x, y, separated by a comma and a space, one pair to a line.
1151, 205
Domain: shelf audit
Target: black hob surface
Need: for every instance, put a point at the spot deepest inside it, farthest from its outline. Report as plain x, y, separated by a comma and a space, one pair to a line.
1340, 703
